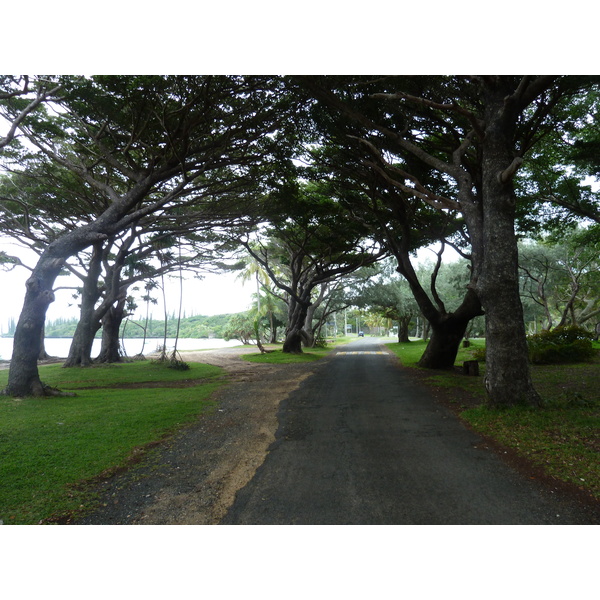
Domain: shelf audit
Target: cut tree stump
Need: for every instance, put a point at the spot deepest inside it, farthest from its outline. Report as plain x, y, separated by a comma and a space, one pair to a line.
471, 367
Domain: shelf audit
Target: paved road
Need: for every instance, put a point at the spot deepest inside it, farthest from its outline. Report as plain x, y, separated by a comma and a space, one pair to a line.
361, 443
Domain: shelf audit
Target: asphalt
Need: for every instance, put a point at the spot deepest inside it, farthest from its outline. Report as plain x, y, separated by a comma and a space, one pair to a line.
360, 442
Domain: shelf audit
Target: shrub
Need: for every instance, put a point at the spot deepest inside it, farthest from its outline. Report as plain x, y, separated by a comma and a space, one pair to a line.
478, 354
320, 342
239, 327
561, 345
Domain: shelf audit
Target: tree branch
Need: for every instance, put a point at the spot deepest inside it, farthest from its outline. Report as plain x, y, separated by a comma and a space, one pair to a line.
478, 125
42, 95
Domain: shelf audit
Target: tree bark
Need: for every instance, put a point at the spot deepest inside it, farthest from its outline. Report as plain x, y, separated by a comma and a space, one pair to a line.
43, 355
403, 324
294, 333
110, 351
80, 352
23, 375
447, 328
447, 332
508, 379
309, 333
443, 344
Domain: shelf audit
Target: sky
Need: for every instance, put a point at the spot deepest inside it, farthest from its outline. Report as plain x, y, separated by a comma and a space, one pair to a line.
212, 295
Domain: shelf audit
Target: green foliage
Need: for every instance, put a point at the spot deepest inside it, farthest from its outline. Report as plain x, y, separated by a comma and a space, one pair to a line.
320, 342
240, 327
478, 353
178, 365
190, 327
561, 345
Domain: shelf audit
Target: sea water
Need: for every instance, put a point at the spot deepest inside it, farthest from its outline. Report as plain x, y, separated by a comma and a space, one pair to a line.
59, 347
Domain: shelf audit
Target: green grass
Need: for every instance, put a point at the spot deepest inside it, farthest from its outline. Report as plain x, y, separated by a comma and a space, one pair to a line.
562, 438
51, 446
409, 354
277, 357
117, 374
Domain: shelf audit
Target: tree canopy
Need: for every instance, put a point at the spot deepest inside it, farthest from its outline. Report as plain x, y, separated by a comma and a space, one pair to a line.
316, 176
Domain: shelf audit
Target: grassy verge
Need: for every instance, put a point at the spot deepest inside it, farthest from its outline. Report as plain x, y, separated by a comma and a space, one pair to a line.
51, 446
276, 356
561, 438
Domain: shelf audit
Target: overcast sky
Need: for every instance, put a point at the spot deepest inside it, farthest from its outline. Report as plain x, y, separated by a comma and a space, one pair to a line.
213, 295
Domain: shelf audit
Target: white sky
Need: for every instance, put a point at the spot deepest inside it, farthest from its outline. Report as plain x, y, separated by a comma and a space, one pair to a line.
212, 295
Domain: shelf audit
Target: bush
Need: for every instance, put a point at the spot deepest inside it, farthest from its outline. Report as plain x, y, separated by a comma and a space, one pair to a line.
478, 354
239, 327
561, 345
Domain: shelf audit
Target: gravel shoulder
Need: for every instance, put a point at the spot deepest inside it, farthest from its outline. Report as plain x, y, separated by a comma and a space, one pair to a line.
192, 477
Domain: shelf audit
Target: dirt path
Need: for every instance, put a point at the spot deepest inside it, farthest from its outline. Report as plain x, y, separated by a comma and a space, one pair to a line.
193, 477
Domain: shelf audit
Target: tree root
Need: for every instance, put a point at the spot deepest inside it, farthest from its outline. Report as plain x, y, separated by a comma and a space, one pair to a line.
41, 391
55, 392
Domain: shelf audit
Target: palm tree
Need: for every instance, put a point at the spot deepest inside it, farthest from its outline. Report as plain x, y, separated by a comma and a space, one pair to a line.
254, 269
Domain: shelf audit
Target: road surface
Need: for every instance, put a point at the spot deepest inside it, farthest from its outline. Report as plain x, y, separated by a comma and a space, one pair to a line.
359, 442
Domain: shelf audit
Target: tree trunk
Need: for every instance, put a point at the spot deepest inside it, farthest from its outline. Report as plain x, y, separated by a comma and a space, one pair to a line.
273, 338
110, 351
43, 355
80, 352
444, 343
448, 331
293, 342
507, 379
448, 327
426, 329
308, 335
403, 325
23, 375
294, 333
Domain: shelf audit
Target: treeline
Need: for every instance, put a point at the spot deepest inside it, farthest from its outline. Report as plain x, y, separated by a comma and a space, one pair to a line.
190, 327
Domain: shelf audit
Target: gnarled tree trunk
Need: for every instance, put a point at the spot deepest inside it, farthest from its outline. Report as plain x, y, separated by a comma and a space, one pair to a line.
447, 332
294, 333
403, 324
80, 352
110, 351
23, 375
507, 380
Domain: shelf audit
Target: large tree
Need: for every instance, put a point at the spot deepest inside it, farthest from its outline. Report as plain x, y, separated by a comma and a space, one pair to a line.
304, 247
391, 298
475, 132
399, 221
561, 275
147, 145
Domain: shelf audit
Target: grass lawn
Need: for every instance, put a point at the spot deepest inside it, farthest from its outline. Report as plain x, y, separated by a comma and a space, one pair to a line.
562, 438
276, 356
51, 446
